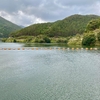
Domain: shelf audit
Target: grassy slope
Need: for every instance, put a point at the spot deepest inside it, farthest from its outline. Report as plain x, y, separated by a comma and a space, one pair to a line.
6, 27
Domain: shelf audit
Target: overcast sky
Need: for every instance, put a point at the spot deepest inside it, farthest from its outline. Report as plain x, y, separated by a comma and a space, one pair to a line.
27, 12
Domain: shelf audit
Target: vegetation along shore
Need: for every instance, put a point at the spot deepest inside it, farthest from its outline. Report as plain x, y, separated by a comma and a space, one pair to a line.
73, 30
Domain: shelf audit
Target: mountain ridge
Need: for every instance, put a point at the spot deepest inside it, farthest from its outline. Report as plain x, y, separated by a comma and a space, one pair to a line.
68, 26
6, 27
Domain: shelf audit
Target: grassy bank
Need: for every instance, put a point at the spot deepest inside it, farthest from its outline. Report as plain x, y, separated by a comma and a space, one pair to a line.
37, 39
72, 40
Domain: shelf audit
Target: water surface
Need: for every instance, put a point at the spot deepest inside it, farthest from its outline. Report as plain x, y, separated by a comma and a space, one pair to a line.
49, 74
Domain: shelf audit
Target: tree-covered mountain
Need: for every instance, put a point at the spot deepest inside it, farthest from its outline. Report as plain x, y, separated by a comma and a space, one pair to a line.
6, 27
72, 25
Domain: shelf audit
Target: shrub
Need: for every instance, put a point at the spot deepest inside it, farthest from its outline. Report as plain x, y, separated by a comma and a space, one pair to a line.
89, 39
36, 40
47, 40
98, 36
14, 40
42, 39
62, 40
28, 39
3, 40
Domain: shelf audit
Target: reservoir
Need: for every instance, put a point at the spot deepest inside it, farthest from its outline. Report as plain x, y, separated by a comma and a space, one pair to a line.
45, 74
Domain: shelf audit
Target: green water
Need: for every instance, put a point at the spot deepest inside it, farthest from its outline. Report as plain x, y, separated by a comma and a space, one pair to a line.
49, 74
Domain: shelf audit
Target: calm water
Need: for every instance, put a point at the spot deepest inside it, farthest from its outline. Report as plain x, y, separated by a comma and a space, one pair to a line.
49, 74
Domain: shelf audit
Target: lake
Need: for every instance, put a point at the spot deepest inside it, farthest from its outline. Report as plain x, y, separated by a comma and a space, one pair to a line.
46, 74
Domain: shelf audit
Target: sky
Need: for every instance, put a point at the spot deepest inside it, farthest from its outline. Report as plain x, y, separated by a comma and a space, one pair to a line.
27, 12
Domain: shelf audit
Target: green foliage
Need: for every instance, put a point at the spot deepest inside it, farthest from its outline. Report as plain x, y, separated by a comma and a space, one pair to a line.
42, 39
93, 24
89, 39
75, 40
98, 36
28, 39
67, 27
92, 35
7, 27
61, 40
14, 40
3, 39
47, 40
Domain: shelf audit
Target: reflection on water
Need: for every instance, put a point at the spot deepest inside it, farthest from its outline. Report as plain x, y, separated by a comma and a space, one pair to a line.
11, 45
48, 45
49, 74
44, 45
56, 45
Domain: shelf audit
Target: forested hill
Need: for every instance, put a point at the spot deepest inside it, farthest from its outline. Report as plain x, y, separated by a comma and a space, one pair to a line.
6, 27
67, 27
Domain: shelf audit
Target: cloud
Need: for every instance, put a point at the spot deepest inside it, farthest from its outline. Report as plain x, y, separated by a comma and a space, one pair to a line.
27, 12
21, 18
75, 2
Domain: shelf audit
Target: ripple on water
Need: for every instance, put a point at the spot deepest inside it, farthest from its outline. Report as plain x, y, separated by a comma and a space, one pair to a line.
50, 75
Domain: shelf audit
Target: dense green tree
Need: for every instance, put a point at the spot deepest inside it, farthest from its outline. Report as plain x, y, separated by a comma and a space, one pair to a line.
42, 39
93, 24
14, 40
89, 39
47, 40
